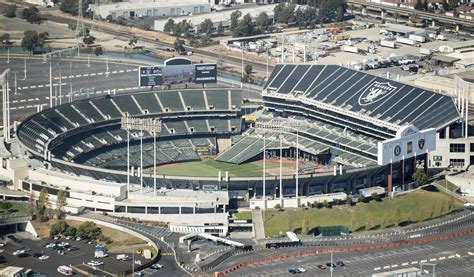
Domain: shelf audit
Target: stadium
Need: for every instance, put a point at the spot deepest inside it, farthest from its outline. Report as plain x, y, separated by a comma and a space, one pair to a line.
324, 131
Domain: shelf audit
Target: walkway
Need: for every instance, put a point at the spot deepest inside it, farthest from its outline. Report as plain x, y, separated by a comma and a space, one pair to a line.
259, 229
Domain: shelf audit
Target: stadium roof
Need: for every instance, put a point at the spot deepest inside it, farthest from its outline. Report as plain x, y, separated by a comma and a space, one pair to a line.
361, 95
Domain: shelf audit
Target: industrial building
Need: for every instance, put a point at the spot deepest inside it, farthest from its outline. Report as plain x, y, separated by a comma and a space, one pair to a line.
148, 8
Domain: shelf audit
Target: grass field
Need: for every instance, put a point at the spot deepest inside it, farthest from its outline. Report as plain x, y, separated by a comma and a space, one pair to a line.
17, 209
211, 168
416, 206
243, 215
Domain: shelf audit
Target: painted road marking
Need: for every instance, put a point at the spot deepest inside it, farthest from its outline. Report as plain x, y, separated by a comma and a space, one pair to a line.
423, 261
433, 259
394, 265
442, 258
404, 264
377, 268
386, 267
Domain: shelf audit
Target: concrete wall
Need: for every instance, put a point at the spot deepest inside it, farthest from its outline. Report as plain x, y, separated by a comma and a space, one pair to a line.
116, 227
192, 219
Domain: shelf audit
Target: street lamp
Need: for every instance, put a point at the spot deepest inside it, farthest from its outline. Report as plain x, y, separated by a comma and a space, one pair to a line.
141, 124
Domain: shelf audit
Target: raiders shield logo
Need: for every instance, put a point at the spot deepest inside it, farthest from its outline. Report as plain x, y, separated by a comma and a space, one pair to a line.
397, 150
375, 92
421, 143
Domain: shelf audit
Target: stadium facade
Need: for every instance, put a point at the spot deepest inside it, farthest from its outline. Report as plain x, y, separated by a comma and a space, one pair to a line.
361, 129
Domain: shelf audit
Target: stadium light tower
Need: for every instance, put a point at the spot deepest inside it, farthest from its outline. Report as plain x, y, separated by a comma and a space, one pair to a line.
6, 103
142, 125
283, 125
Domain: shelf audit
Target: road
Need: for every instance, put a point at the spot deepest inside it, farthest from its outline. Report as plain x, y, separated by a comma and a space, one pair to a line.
449, 255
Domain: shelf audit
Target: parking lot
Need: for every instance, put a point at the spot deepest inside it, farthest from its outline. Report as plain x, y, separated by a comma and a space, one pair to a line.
76, 258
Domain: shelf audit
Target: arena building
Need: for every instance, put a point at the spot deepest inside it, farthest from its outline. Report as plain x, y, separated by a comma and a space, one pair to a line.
336, 130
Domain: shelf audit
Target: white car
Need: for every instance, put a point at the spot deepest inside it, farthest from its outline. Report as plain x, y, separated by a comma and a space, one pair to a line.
44, 257
157, 266
2, 244
301, 269
51, 245
18, 252
95, 263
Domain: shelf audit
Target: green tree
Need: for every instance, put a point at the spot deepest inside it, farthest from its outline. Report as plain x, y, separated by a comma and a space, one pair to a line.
245, 27
325, 203
420, 177
396, 16
60, 203
31, 205
248, 69
234, 19
207, 26
179, 45
418, 5
70, 231
220, 29
72, 6
10, 11
305, 225
88, 230
397, 217
262, 21
169, 26
340, 11
374, 196
43, 204
58, 228
31, 15
183, 29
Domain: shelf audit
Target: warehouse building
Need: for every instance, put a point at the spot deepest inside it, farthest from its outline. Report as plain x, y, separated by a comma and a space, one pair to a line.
148, 8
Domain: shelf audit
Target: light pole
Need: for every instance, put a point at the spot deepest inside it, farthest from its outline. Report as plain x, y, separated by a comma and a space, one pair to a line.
332, 268
263, 174
281, 171
8, 55
50, 85
16, 85
140, 124
297, 169
24, 70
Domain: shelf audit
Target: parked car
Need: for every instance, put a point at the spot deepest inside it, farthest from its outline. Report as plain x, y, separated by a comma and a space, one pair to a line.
95, 263
123, 257
340, 263
330, 265
157, 266
43, 257
321, 267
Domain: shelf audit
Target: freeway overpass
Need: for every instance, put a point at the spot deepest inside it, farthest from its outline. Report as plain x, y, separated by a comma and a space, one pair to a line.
408, 12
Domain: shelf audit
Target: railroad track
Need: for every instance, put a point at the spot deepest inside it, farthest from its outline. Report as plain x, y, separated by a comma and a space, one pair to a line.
126, 34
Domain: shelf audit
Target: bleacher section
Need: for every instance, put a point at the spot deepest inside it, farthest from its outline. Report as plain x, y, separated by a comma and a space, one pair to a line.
39, 130
360, 95
178, 150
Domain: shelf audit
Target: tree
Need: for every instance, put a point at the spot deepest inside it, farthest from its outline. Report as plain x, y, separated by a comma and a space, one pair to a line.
60, 203
72, 6
234, 19
445, 5
374, 196
418, 5
325, 203
340, 11
182, 29
220, 29
420, 177
132, 41
31, 204
305, 225
277, 206
169, 26
396, 16
98, 51
88, 230
58, 228
284, 13
245, 27
31, 40
31, 15
206, 26
88, 40
398, 216
10, 11
248, 69
261, 22
179, 45
70, 231
43, 204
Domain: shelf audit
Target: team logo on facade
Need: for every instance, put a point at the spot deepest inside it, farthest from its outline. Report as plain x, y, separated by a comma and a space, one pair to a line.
375, 92
397, 150
421, 143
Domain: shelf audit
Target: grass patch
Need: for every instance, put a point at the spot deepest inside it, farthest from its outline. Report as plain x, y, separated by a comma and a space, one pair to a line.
17, 209
417, 206
210, 168
243, 215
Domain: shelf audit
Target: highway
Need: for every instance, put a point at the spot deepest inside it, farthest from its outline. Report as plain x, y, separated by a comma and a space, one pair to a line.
422, 14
